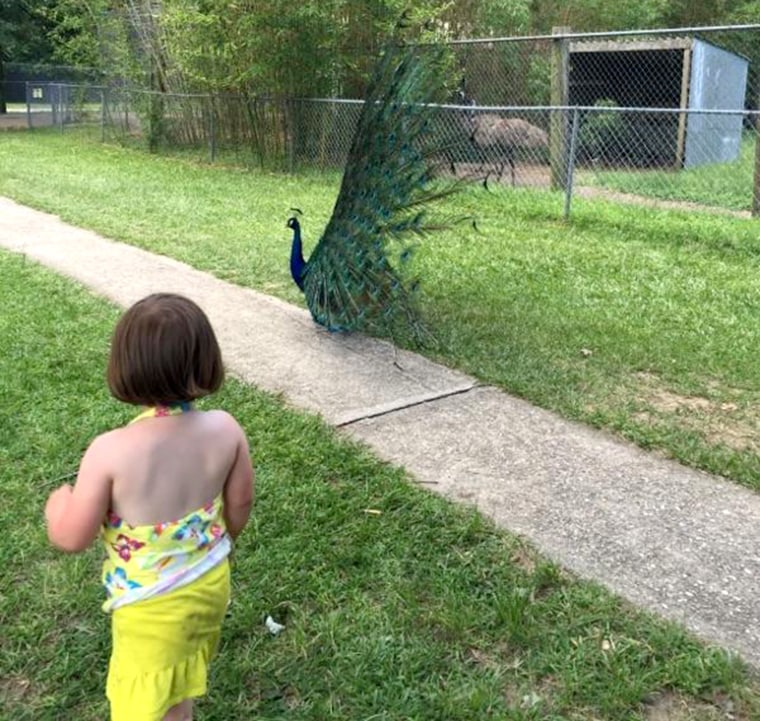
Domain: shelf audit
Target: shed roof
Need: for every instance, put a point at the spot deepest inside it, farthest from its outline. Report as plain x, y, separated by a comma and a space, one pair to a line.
596, 46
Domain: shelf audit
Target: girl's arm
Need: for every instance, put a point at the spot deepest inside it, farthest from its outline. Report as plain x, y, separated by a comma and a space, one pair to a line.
239, 489
74, 515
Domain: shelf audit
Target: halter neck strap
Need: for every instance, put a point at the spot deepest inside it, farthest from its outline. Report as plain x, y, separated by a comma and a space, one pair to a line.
173, 409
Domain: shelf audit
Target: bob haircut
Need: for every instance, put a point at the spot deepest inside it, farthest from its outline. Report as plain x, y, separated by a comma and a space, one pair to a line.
164, 351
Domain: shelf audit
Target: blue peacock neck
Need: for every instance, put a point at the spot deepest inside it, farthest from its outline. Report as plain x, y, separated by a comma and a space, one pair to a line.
297, 263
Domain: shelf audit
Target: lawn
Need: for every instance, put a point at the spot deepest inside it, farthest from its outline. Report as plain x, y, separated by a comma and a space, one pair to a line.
643, 322
422, 611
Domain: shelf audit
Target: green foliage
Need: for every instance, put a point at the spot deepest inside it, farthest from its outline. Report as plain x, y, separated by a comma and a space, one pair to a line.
476, 18
263, 48
602, 134
686, 13
315, 48
743, 12
538, 80
73, 31
92, 34
23, 32
591, 15
23, 37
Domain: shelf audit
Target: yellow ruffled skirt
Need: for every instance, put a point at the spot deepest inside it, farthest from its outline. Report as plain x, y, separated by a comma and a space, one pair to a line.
161, 647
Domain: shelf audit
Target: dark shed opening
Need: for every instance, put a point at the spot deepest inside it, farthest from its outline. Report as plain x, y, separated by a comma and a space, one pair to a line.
679, 73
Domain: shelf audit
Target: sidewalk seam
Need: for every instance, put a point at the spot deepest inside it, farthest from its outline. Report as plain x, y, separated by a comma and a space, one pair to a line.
410, 404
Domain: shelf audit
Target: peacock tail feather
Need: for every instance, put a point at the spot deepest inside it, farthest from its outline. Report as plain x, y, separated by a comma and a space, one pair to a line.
355, 278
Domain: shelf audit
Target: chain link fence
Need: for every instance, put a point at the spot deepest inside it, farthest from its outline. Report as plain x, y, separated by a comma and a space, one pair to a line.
665, 115
666, 118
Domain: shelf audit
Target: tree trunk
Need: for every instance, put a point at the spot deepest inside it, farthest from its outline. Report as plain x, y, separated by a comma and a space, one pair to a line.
3, 106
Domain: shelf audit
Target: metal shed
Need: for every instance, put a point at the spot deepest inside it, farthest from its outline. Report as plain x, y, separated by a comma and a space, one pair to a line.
684, 73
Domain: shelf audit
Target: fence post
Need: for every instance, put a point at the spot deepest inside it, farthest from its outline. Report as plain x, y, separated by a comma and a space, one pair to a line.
102, 115
558, 124
756, 185
211, 129
53, 107
28, 105
4, 90
61, 110
571, 163
683, 116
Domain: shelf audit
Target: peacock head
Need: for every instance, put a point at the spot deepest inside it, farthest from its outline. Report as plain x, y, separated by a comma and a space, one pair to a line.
293, 223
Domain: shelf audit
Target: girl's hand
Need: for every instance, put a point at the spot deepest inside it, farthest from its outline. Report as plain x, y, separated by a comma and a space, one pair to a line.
57, 502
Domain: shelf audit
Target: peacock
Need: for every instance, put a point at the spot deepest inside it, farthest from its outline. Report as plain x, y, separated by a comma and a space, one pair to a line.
355, 279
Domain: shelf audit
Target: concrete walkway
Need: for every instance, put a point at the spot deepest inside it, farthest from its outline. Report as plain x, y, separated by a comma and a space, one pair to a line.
673, 540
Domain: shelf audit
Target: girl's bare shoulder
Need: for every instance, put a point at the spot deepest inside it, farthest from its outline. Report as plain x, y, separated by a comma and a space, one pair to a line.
108, 440
221, 420
104, 449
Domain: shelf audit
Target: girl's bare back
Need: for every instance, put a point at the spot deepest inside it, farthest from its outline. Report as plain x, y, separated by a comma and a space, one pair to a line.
163, 468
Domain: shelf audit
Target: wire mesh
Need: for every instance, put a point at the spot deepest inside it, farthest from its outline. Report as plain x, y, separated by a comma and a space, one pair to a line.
514, 71
706, 158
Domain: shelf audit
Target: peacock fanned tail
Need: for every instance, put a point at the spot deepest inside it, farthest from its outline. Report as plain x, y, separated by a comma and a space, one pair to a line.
355, 279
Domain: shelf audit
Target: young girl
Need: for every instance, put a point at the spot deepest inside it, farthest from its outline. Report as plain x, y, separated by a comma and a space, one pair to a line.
168, 494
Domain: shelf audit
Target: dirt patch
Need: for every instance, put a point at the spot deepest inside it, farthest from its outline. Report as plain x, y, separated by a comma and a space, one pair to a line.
14, 689
630, 198
537, 175
720, 421
669, 706
536, 697
525, 558
527, 175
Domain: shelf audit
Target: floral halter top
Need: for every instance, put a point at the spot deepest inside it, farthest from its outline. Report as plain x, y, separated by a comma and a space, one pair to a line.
147, 560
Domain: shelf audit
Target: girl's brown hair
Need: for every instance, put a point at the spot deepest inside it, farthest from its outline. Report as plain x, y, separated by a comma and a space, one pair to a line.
164, 351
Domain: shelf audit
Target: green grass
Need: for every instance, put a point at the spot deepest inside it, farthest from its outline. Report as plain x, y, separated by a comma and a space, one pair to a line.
424, 611
639, 321
718, 185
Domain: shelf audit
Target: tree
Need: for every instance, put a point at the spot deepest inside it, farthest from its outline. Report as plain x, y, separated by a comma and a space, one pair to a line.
597, 15
23, 37
275, 47
686, 13
488, 18
75, 28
